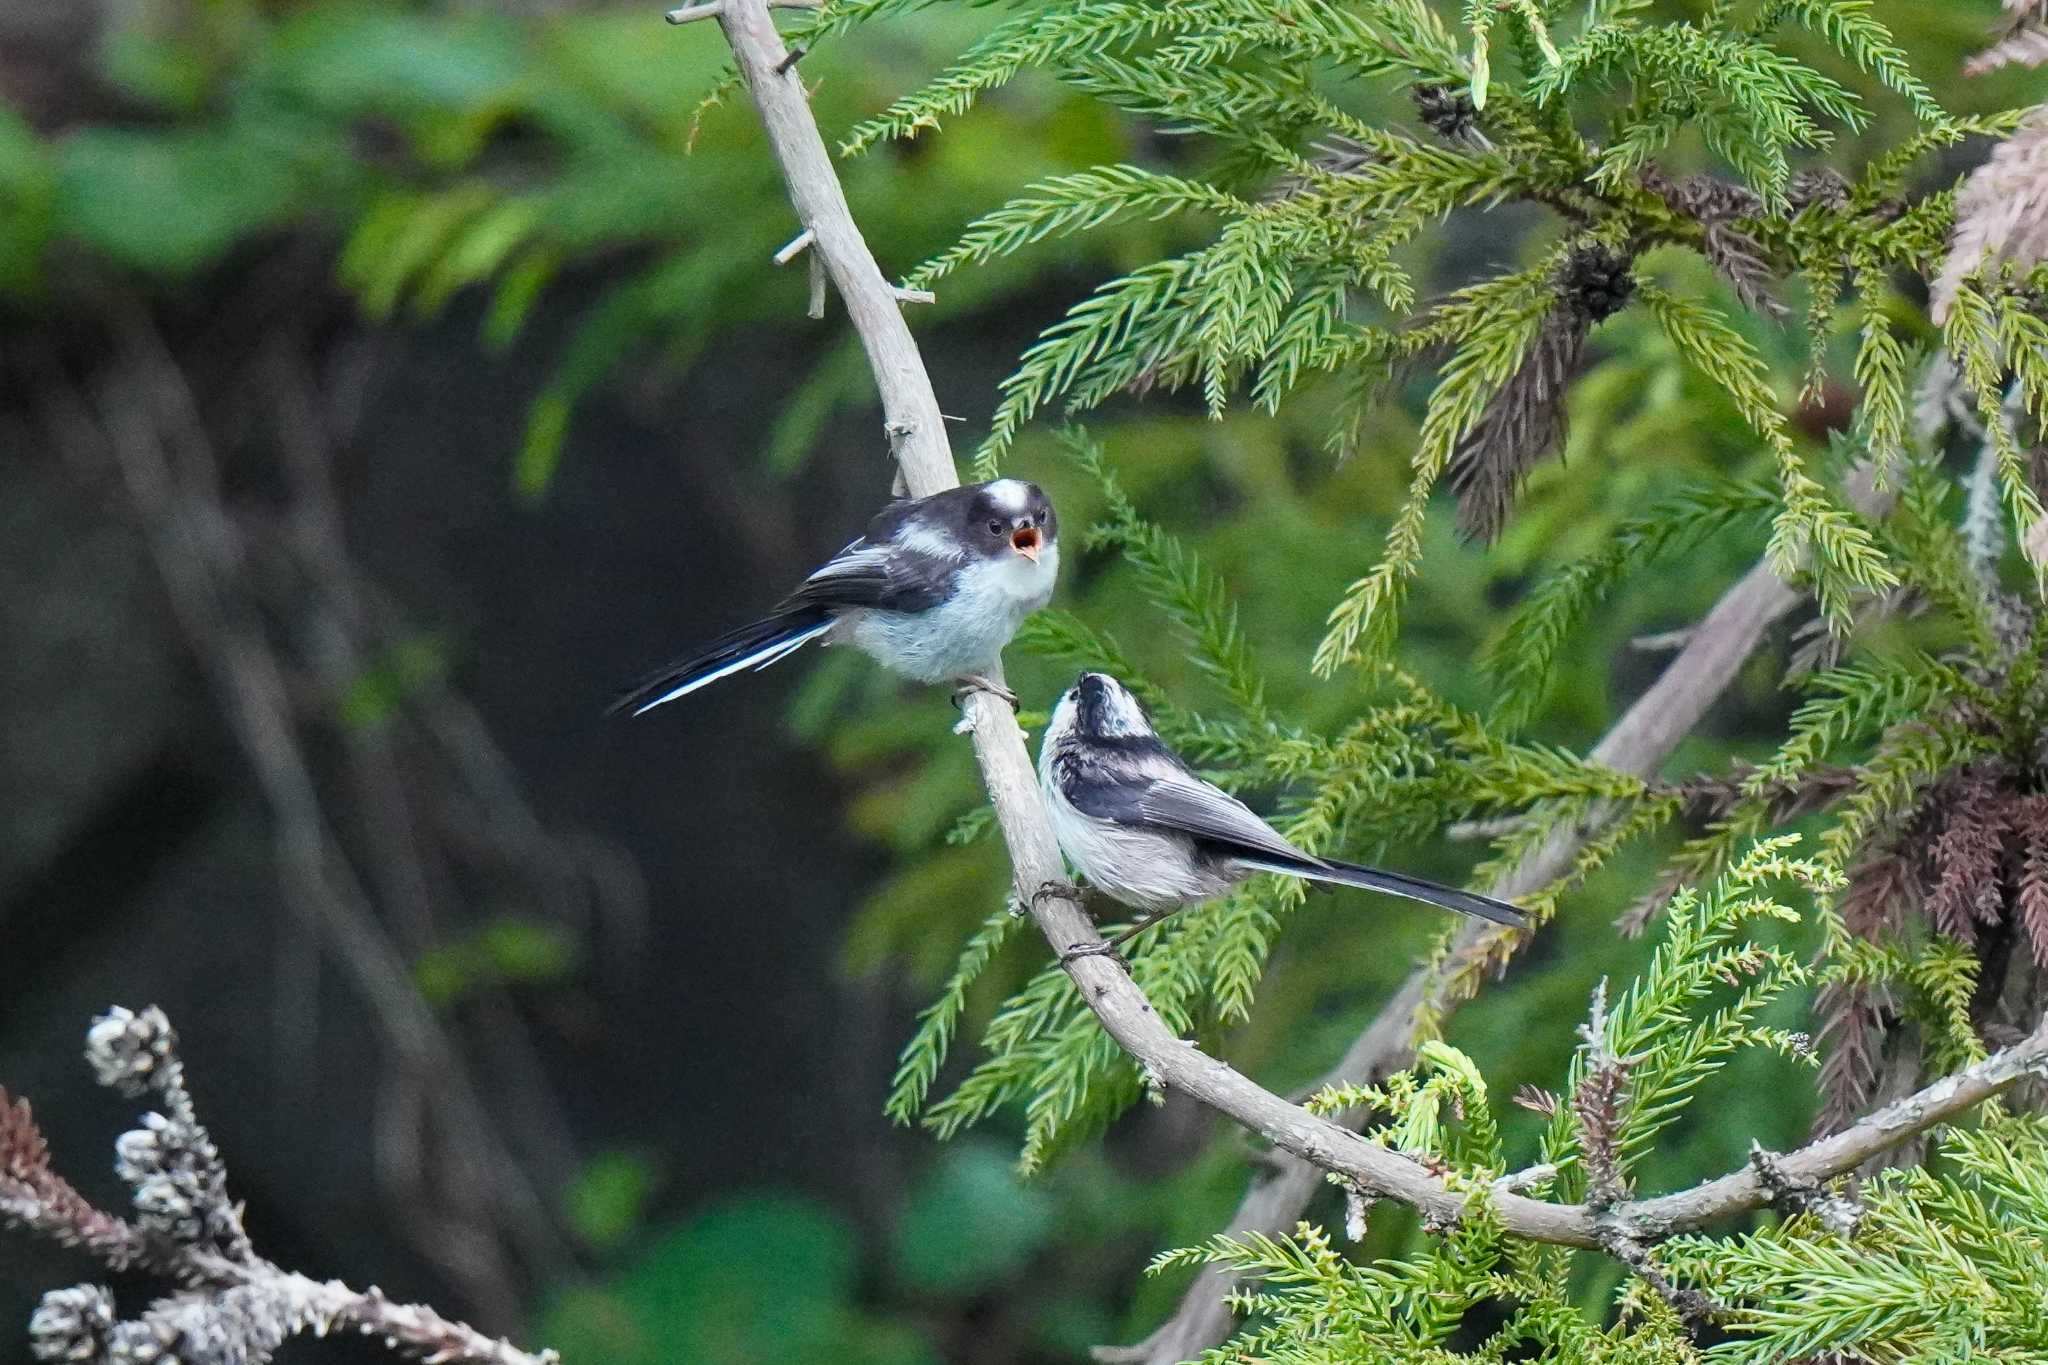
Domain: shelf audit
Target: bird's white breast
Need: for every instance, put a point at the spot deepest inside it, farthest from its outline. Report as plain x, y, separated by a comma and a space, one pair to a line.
965, 633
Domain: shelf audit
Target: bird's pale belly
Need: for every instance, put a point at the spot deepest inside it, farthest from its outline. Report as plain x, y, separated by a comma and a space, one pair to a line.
963, 635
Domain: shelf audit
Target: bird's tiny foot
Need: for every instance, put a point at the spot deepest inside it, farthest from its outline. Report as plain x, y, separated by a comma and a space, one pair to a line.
974, 682
1058, 890
1081, 950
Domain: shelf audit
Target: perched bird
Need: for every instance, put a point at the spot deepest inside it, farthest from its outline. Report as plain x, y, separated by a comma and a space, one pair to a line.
1146, 831
934, 590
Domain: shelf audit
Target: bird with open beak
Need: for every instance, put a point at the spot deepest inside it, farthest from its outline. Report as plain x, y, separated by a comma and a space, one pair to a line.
1146, 831
933, 590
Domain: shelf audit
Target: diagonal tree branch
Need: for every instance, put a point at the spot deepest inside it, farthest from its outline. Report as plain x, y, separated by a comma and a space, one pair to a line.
918, 437
1638, 743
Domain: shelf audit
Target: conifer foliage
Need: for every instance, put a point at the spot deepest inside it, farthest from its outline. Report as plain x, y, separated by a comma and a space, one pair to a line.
1914, 922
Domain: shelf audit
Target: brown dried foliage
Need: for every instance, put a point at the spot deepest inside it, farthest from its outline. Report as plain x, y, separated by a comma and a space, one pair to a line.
1853, 1016
1526, 419
1738, 257
1973, 860
1968, 893
2030, 823
1710, 798
1523, 423
1740, 260
34, 1197
1596, 1104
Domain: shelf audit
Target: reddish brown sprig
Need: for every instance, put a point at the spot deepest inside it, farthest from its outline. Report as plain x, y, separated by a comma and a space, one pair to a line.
1710, 798
37, 1199
2030, 821
1740, 260
1968, 893
1596, 1104
1973, 860
1818, 185
1854, 1017
1523, 423
1715, 205
1526, 419
1703, 198
1852, 1030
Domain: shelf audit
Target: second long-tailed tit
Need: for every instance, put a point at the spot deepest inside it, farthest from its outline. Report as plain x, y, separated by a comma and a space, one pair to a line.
1144, 830
933, 590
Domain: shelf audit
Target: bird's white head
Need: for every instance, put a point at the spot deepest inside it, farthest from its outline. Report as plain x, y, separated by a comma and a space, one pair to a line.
1009, 518
1100, 707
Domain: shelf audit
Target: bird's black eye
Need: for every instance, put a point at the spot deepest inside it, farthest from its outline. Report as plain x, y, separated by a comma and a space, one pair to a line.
995, 528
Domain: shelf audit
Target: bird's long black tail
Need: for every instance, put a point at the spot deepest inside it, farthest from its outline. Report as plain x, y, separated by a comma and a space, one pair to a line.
1394, 884
751, 646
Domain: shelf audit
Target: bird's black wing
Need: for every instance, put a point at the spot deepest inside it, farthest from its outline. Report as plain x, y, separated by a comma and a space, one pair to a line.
1143, 784
945, 508
1105, 785
889, 577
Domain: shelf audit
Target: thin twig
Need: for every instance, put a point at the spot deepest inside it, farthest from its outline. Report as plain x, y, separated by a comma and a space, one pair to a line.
796, 245
690, 14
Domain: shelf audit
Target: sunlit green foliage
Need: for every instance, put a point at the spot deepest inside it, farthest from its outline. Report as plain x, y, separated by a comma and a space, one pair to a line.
1945, 1263
1303, 278
1311, 1303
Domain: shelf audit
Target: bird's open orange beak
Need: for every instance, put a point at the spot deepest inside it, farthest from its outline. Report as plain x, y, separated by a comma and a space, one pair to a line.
1025, 541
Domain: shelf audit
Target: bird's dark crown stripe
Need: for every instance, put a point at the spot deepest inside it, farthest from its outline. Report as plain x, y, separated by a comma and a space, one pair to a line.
1134, 746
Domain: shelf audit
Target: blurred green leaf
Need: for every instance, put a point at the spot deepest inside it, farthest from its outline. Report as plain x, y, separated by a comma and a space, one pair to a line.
171, 203
527, 950
27, 204
167, 72
971, 1224
757, 1280
383, 63
508, 951
374, 698
608, 1198
540, 450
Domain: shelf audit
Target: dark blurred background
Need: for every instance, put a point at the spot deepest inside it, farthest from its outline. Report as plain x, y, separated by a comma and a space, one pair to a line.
383, 384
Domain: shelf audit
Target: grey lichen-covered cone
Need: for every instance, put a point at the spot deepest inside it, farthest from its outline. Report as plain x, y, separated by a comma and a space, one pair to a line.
233, 1306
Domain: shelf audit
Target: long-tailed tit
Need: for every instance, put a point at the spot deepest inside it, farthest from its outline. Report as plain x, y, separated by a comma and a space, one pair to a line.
1146, 831
934, 590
